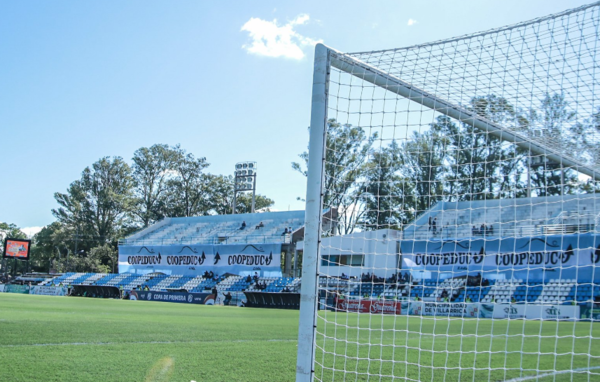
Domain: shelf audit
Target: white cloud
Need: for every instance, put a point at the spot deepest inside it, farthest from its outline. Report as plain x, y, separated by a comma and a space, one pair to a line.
30, 231
272, 40
412, 22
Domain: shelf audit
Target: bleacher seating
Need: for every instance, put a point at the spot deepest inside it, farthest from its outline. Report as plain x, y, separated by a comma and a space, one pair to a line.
155, 280
510, 217
279, 284
554, 291
224, 229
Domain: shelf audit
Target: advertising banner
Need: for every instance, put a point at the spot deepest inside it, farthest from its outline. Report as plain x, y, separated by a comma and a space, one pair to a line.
12, 288
525, 253
537, 312
370, 306
49, 290
181, 297
197, 259
448, 309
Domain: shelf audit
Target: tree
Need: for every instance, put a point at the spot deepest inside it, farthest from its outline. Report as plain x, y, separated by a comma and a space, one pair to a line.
12, 231
48, 245
187, 194
388, 196
347, 151
220, 188
423, 158
556, 121
97, 207
261, 203
152, 168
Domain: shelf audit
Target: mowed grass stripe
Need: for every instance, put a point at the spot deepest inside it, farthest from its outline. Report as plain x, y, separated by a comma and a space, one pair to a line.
205, 343
354, 346
130, 340
140, 342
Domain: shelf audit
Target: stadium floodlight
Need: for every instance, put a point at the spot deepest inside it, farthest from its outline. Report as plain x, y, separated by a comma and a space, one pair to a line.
480, 155
244, 180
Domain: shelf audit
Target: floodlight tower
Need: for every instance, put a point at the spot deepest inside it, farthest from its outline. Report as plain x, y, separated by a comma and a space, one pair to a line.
244, 180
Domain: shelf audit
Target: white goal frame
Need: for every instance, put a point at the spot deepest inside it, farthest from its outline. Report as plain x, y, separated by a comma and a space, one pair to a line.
325, 58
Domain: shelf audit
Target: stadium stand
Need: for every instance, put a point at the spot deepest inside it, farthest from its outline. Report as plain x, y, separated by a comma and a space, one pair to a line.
570, 214
510, 217
220, 229
555, 291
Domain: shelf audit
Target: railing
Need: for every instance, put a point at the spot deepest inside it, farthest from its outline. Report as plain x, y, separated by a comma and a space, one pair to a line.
448, 232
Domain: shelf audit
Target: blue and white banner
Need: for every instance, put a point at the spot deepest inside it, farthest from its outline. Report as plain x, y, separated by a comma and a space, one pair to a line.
525, 253
197, 259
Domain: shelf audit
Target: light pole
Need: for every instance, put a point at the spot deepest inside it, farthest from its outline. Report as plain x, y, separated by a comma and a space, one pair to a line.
244, 180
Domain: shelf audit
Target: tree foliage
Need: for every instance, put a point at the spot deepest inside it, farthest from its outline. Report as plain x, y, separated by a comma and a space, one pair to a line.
112, 199
348, 148
98, 206
381, 187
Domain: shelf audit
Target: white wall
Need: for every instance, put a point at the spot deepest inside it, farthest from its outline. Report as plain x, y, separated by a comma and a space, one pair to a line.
379, 248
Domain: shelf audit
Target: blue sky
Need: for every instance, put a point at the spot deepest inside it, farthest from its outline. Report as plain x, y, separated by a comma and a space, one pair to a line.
82, 80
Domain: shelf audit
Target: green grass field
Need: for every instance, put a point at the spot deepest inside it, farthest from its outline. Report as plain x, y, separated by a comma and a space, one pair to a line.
45, 338
79, 339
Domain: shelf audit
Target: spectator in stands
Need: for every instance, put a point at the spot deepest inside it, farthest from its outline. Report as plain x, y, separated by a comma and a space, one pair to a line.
243, 225
468, 299
285, 232
260, 225
434, 226
249, 279
474, 231
491, 230
430, 223
344, 276
335, 300
290, 229
482, 229
211, 275
444, 293
513, 300
255, 276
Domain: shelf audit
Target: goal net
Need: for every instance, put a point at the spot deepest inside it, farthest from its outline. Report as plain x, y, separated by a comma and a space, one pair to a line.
453, 208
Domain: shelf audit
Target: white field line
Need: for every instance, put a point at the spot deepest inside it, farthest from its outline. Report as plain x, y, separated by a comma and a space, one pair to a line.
140, 343
538, 376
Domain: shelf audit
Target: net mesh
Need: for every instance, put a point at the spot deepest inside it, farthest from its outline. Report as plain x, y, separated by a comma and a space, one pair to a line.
454, 253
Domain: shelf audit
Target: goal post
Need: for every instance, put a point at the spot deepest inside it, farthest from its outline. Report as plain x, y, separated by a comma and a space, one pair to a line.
312, 221
464, 176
